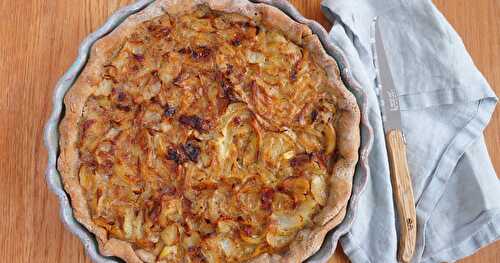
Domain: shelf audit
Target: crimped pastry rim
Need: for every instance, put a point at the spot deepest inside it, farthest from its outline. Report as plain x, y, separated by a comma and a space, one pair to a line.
64, 84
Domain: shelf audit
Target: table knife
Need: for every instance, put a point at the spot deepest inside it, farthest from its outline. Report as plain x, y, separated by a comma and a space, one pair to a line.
396, 149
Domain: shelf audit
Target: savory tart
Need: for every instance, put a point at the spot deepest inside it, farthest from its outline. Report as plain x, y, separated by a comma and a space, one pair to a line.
209, 131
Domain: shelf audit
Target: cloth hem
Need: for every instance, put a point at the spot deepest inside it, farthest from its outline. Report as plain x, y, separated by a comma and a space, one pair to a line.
440, 97
435, 189
487, 234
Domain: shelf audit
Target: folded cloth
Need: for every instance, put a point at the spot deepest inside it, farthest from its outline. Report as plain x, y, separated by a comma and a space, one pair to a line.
446, 103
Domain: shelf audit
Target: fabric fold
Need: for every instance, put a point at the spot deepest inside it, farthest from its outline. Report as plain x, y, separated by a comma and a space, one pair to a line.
446, 104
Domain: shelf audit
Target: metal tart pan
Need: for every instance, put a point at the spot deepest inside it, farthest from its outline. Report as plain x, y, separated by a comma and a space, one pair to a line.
51, 133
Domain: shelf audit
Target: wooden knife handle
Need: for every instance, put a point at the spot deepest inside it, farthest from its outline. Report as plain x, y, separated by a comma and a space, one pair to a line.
403, 193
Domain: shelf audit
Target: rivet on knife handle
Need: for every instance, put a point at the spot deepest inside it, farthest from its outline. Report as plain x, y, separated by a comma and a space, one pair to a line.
403, 194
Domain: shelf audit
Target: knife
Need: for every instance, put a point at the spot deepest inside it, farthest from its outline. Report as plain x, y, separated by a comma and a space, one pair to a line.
396, 149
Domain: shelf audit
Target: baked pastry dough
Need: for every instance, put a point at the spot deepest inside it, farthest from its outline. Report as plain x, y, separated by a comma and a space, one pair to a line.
209, 131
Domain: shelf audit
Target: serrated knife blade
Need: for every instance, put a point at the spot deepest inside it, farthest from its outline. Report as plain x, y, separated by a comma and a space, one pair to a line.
396, 150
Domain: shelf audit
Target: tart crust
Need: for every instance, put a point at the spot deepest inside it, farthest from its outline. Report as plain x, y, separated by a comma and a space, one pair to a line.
308, 241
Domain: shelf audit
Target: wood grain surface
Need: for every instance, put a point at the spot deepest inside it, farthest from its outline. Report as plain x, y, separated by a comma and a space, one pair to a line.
39, 41
402, 194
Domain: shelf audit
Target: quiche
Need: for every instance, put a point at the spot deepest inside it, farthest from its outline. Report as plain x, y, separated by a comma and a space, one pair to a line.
209, 131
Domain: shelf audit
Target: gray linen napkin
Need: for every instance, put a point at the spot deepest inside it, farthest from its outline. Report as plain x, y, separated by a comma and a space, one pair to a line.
446, 103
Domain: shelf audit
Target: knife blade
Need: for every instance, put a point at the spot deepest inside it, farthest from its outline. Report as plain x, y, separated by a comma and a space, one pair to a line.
396, 149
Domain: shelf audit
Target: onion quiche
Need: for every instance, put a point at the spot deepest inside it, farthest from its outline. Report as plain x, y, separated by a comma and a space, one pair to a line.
209, 131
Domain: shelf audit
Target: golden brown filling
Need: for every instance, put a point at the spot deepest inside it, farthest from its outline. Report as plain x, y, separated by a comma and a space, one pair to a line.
209, 138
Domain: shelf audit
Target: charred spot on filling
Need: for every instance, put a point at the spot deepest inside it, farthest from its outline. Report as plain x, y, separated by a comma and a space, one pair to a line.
121, 96
110, 73
227, 88
229, 69
314, 115
123, 108
173, 155
154, 73
295, 70
139, 57
293, 74
169, 111
300, 159
236, 41
188, 151
201, 52
180, 77
185, 51
257, 30
194, 122
191, 150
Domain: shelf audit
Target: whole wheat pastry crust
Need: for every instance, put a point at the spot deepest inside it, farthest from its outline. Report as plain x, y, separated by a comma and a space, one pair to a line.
307, 241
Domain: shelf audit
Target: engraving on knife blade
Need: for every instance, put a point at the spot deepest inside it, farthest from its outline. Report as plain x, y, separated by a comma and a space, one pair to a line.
392, 96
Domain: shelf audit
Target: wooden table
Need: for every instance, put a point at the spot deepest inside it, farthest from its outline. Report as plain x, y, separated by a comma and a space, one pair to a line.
38, 42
